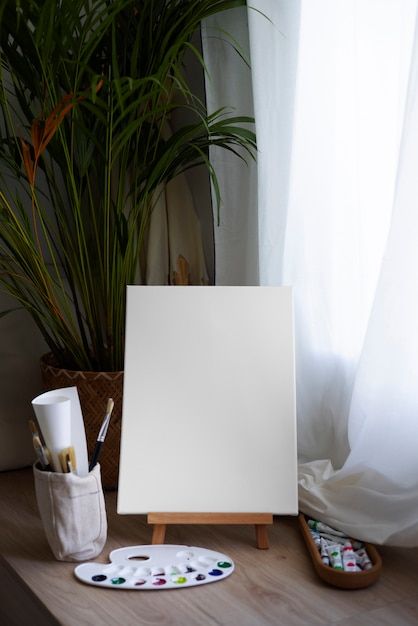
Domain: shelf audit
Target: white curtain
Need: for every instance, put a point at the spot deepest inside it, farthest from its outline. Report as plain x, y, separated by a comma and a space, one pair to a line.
336, 105
228, 81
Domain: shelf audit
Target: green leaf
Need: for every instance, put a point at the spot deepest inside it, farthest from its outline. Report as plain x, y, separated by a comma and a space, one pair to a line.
71, 243
7, 311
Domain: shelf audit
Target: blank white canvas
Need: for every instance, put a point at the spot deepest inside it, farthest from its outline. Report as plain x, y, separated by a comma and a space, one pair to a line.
209, 401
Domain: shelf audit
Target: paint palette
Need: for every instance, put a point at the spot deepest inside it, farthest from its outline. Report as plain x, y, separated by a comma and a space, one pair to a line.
157, 567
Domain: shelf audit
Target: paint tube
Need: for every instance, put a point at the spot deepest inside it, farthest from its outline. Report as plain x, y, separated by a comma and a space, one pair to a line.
320, 527
316, 537
362, 559
349, 558
334, 553
334, 538
324, 552
342, 540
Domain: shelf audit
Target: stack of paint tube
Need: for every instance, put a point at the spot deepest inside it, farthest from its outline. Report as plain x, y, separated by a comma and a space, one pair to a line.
337, 550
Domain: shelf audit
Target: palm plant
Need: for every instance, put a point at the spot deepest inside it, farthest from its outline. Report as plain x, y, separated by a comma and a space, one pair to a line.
87, 90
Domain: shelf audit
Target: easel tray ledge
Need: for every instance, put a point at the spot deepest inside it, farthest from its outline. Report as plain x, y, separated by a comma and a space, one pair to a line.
260, 521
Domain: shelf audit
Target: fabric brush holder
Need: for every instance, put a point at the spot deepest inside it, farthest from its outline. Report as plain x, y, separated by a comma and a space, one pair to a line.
73, 513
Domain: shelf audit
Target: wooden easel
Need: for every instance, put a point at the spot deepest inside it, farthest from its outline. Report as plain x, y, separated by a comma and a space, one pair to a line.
260, 521
160, 520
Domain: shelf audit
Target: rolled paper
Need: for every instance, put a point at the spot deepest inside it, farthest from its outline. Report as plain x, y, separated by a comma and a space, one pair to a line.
334, 553
320, 527
324, 552
362, 559
54, 418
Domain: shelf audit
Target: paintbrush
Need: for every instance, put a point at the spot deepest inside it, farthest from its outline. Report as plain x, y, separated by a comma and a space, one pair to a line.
102, 433
42, 452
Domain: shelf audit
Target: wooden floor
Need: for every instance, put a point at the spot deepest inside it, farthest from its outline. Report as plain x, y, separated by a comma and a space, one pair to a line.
275, 587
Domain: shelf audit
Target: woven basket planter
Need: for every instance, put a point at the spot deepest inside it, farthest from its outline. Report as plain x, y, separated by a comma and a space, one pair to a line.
94, 389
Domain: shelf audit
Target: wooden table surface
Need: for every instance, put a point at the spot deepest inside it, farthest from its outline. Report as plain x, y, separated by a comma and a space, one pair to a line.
275, 586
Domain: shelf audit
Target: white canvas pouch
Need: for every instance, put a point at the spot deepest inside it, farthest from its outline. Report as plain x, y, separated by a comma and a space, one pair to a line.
73, 513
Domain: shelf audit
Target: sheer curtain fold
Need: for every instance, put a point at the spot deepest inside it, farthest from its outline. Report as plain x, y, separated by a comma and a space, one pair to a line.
370, 302
228, 80
335, 86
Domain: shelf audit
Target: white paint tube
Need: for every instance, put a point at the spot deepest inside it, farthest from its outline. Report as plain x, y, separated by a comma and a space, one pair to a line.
349, 558
362, 559
334, 553
342, 540
320, 527
316, 537
324, 552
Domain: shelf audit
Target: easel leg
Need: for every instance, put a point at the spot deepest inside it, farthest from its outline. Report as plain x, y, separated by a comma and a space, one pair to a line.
158, 533
262, 536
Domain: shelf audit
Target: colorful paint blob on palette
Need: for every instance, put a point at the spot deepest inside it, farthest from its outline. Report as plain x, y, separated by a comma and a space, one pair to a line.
157, 567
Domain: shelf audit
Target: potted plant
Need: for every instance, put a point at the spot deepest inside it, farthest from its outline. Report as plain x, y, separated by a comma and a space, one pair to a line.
87, 91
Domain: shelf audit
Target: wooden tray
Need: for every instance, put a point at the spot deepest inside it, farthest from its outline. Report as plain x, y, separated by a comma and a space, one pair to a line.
337, 578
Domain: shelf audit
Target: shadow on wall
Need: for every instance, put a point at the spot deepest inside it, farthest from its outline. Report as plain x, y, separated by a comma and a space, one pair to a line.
21, 345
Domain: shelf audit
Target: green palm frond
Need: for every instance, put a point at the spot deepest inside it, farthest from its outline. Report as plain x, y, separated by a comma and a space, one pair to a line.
87, 92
